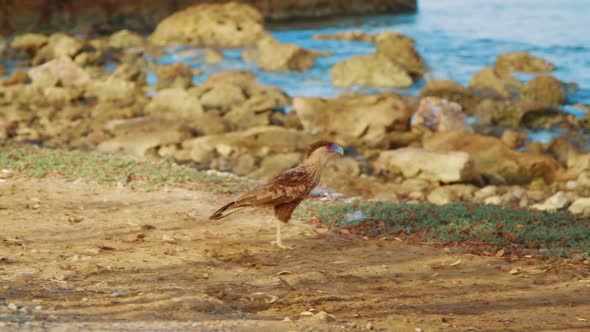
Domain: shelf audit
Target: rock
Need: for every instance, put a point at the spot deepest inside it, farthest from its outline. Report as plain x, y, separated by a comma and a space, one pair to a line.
558, 201
451, 91
222, 96
493, 159
131, 72
348, 35
486, 192
544, 89
514, 139
521, 62
18, 77
351, 118
29, 41
400, 49
229, 25
140, 136
112, 89
213, 56
3, 69
126, 39
451, 193
58, 45
372, 70
176, 75
439, 115
488, 82
274, 164
259, 142
446, 167
581, 205
493, 200
276, 56
520, 113
175, 101
63, 71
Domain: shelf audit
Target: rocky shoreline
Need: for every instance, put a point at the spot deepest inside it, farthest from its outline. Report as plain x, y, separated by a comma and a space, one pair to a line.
65, 93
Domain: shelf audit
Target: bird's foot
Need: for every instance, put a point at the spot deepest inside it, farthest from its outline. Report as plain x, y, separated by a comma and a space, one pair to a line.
280, 245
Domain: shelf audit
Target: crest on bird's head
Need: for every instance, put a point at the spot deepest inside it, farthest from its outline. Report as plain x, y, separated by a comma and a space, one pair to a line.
321, 143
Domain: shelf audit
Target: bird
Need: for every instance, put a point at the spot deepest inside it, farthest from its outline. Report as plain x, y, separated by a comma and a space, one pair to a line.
286, 190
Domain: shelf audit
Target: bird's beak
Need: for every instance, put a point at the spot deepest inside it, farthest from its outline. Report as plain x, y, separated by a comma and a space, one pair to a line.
336, 148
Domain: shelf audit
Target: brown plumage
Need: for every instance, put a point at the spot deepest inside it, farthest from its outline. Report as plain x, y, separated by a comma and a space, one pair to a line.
285, 191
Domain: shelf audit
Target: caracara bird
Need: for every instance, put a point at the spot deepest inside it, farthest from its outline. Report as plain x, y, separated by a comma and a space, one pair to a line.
285, 191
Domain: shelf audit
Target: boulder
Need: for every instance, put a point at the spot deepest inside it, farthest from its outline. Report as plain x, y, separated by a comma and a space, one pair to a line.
521, 62
141, 136
63, 71
514, 139
126, 39
451, 193
487, 82
519, 113
112, 89
175, 101
544, 89
558, 201
213, 56
445, 167
276, 56
400, 49
18, 77
351, 118
451, 91
439, 115
372, 70
29, 41
131, 72
58, 45
176, 75
222, 96
581, 205
492, 158
259, 142
229, 25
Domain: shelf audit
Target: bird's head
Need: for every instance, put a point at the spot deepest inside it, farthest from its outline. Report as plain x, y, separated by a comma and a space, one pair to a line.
321, 150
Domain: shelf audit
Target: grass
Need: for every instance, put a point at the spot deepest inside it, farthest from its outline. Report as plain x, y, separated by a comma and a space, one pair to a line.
479, 227
108, 168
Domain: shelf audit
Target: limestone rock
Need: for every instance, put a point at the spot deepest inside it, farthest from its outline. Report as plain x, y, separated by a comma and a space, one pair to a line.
61, 71
176, 75
493, 158
112, 89
126, 39
222, 96
29, 41
435, 166
451, 91
175, 101
521, 62
488, 82
372, 70
544, 89
451, 193
229, 25
519, 113
581, 205
440, 115
558, 201
351, 118
348, 35
213, 56
400, 49
58, 45
276, 56
274, 164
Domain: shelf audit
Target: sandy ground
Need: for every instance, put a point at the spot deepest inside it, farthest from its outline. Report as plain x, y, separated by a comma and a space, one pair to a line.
81, 256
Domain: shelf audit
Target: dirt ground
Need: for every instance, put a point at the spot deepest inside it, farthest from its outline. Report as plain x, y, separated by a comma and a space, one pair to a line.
81, 256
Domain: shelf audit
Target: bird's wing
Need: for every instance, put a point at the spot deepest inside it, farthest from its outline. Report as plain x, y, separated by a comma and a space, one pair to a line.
289, 186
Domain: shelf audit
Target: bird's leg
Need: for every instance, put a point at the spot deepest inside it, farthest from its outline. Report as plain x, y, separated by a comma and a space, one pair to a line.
279, 242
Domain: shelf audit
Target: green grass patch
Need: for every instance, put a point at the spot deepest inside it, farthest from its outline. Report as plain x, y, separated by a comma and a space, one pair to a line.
109, 168
480, 227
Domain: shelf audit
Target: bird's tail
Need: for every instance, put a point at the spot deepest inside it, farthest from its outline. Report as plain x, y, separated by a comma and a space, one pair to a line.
226, 210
